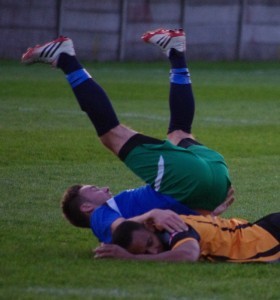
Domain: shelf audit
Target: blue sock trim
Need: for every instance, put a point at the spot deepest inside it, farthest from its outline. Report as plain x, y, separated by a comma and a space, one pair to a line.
77, 77
180, 76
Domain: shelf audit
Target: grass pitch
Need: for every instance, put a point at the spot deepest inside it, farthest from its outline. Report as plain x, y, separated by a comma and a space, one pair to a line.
47, 144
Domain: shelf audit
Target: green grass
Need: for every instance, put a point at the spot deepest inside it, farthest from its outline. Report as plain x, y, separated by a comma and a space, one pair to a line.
47, 144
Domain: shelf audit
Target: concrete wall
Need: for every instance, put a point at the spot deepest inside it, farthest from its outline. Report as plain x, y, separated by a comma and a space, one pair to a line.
111, 29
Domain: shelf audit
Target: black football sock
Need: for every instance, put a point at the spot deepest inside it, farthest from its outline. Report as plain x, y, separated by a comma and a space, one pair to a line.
181, 99
90, 96
177, 59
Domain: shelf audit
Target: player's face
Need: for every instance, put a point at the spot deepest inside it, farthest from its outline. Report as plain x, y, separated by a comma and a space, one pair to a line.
145, 242
95, 195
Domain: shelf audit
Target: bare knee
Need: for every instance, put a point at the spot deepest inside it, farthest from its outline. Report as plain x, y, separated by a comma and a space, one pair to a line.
116, 138
177, 135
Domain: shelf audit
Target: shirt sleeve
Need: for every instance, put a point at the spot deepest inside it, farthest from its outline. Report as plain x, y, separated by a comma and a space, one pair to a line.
101, 221
179, 238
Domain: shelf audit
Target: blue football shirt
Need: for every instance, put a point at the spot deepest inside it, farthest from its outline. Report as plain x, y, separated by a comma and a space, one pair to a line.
128, 204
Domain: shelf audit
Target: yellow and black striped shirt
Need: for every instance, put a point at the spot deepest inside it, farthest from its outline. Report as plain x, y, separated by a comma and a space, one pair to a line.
231, 240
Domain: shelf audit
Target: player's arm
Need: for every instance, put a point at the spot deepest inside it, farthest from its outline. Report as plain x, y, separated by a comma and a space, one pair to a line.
161, 219
188, 251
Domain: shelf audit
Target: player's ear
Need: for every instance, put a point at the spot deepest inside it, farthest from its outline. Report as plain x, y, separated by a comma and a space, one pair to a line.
87, 207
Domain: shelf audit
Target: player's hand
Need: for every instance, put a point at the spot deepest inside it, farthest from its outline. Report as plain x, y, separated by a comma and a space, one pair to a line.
165, 219
224, 206
111, 251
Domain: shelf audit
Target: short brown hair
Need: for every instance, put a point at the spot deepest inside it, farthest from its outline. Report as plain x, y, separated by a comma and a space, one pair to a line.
70, 204
123, 234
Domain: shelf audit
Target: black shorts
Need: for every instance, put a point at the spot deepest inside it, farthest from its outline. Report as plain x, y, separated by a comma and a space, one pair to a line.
271, 223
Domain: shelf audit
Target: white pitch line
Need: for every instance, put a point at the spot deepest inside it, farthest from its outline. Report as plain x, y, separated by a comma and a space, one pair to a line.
215, 120
143, 116
92, 292
133, 115
81, 292
237, 121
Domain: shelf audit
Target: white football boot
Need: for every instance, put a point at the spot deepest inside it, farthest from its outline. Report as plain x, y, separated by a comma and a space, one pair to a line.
166, 39
49, 52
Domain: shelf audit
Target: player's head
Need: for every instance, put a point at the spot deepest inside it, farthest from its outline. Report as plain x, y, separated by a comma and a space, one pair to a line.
79, 201
136, 238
